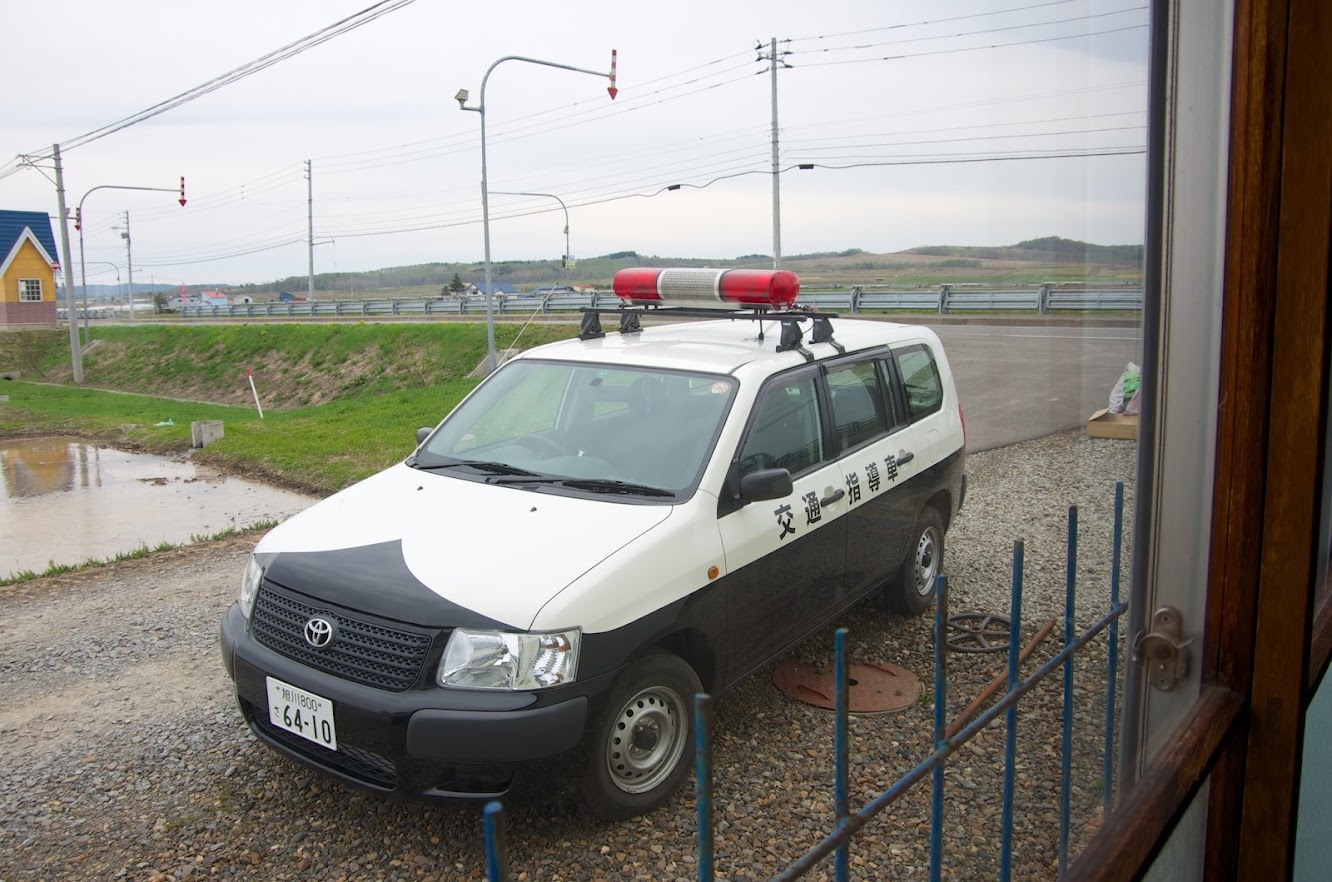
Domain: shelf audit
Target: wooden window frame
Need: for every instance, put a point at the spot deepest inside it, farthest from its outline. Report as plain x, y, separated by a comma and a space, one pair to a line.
1245, 734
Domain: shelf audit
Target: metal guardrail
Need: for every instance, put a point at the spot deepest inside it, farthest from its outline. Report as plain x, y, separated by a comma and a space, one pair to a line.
838, 842
1043, 300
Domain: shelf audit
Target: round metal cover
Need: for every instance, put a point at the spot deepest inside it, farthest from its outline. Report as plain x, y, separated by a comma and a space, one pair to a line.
871, 688
977, 632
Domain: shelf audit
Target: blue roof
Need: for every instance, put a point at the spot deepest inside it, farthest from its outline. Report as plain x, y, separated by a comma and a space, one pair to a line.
12, 224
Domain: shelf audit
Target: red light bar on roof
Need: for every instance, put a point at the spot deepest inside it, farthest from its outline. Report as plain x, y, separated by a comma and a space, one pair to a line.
708, 288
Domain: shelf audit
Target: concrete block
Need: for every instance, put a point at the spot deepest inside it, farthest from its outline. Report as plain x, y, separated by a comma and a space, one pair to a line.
204, 432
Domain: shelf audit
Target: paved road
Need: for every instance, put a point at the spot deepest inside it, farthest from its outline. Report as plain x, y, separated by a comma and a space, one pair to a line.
1018, 383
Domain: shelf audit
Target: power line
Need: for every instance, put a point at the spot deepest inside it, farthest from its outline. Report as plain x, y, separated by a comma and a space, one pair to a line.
913, 24
1005, 28
323, 35
1032, 42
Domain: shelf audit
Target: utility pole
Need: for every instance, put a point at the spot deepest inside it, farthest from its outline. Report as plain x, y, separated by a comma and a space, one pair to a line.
309, 221
773, 60
129, 266
75, 350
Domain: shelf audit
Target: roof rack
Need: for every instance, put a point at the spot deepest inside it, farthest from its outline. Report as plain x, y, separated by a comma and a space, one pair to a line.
792, 334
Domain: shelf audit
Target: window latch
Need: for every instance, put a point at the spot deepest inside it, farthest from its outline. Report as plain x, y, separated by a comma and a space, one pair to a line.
1163, 649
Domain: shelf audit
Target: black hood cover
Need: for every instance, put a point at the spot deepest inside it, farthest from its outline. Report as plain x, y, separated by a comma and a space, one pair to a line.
374, 579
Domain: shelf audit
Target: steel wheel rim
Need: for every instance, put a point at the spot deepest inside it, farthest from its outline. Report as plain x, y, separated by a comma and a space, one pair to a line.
926, 562
646, 739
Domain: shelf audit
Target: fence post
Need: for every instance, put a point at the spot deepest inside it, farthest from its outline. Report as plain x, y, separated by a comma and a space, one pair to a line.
1043, 300
841, 774
1010, 739
1112, 660
940, 738
944, 292
703, 782
1066, 759
497, 851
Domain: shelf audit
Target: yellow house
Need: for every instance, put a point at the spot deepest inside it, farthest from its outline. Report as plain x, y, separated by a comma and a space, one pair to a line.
27, 270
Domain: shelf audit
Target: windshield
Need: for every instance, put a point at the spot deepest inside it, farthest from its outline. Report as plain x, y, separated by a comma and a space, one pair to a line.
600, 428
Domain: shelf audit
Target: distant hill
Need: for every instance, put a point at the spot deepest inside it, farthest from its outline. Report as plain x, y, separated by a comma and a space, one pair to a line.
1049, 248
1032, 261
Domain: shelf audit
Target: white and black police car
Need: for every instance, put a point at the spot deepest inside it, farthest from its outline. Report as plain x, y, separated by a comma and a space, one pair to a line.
604, 527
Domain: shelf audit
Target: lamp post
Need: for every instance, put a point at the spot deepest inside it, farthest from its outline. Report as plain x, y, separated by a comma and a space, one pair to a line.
78, 225
461, 98
566, 224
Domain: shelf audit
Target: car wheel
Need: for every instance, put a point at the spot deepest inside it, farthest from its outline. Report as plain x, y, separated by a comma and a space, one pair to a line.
645, 741
912, 589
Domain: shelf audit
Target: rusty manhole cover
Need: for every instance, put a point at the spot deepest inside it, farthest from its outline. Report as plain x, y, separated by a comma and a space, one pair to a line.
871, 688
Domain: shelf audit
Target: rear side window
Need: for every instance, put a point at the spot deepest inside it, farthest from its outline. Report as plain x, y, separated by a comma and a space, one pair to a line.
786, 432
857, 402
920, 377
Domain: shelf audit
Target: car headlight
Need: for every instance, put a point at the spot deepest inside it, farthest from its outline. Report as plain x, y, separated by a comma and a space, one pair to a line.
504, 660
249, 590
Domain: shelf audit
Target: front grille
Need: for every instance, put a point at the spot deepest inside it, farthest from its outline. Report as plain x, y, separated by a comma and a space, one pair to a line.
362, 765
364, 649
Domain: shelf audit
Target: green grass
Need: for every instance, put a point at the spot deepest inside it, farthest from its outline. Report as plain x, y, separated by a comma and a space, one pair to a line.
378, 385
141, 551
321, 449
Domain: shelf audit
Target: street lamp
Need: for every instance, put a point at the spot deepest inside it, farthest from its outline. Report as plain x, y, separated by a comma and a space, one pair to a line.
567, 256
461, 98
78, 225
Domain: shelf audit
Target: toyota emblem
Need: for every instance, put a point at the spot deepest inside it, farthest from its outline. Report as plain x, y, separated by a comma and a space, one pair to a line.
318, 632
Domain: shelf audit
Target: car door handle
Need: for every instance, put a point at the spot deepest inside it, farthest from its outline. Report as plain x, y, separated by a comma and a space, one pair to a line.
829, 500
905, 456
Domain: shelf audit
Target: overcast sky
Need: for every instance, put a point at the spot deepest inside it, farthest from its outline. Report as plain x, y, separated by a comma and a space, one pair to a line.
891, 101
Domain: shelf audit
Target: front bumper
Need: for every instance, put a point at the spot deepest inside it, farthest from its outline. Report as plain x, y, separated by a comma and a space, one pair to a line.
424, 742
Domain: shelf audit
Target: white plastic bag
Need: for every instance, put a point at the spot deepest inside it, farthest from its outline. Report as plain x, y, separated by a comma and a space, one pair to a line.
1125, 388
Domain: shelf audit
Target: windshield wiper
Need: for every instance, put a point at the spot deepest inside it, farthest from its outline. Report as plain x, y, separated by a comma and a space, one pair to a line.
481, 465
603, 485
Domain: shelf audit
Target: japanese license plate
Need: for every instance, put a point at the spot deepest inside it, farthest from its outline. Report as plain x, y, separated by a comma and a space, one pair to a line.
302, 713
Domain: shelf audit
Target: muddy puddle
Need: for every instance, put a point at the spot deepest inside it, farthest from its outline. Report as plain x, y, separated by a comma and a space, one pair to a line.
65, 501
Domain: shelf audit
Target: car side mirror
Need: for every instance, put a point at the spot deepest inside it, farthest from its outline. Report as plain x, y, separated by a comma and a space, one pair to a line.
422, 434
766, 484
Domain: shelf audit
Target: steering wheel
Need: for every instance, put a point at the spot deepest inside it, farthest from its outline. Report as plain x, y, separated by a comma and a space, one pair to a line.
541, 445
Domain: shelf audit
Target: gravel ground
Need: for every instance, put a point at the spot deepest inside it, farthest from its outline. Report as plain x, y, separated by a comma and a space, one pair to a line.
124, 757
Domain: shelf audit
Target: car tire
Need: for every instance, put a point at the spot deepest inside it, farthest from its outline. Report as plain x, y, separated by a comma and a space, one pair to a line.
644, 744
912, 589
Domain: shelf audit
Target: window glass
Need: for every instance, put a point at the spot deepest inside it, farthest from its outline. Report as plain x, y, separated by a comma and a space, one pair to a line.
857, 403
30, 290
895, 411
786, 432
588, 421
920, 376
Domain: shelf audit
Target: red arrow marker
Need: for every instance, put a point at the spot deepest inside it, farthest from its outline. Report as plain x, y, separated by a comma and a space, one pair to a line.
182, 191
611, 89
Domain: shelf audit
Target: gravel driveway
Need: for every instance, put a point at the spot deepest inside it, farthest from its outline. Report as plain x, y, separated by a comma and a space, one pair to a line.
125, 758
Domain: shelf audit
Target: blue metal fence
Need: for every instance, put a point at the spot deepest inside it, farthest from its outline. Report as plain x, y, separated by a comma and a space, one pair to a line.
1041, 299
848, 824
